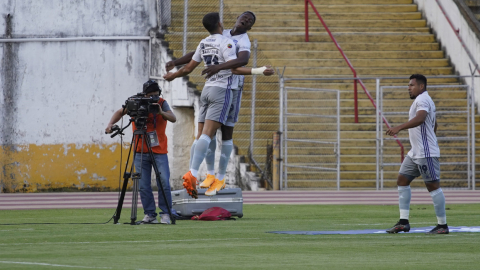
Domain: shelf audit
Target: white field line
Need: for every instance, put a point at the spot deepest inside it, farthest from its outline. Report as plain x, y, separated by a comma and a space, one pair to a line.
120, 242
56, 265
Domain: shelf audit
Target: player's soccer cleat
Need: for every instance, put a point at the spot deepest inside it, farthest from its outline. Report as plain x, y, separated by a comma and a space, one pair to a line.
190, 184
439, 229
215, 187
208, 182
149, 220
399, 228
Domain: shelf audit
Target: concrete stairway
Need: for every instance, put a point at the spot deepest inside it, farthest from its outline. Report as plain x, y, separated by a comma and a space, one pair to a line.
381, 38
474, 6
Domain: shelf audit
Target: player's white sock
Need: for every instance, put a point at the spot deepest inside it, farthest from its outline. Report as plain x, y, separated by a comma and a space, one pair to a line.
227, 147
192, 152
210, 157
404, 197
200, 152
439, 204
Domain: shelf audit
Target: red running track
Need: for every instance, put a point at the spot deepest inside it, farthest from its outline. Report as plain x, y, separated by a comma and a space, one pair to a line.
18, 201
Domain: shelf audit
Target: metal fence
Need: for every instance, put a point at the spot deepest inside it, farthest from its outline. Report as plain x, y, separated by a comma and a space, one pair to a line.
310, 120
367, 158
258, 118
457, 144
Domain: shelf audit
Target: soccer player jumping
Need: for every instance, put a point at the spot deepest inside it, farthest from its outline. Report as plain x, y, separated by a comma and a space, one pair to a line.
240, 37
422, 159
216, 96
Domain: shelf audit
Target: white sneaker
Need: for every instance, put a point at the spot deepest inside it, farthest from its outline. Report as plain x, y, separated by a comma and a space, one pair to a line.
149, 220
165, 219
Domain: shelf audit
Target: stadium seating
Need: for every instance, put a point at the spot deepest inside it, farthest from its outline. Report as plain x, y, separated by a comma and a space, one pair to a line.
380, 37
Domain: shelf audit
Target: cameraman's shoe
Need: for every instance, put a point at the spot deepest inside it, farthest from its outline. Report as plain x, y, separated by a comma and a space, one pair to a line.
215, 187
149, 220
190, 184
165, 219
208, 182
399, 228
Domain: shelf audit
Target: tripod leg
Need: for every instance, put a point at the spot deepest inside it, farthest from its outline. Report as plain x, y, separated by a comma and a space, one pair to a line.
116, 217
133, 216
126, 176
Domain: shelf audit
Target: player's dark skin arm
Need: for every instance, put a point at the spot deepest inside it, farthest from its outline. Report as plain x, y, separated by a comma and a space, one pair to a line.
180, 61
242, 60
414, 122
435, 128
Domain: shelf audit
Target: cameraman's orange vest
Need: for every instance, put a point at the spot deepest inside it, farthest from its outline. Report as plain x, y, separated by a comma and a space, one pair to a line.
162, 137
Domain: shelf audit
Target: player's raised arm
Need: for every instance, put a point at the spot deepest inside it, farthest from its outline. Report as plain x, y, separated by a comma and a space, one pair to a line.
242, 60
182, 72
265, 70
180, 61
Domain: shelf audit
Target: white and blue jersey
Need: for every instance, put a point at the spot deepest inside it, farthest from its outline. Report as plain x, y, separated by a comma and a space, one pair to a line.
243, 44
422, 138
214, 50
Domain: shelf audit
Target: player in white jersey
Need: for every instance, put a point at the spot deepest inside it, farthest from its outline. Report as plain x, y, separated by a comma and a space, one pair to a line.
240, 37
216, 95
422, 159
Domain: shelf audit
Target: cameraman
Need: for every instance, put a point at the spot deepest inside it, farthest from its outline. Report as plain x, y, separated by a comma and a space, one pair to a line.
155, 127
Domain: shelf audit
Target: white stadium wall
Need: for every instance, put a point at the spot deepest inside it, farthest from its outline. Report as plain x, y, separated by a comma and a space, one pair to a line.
58, 96
449, 41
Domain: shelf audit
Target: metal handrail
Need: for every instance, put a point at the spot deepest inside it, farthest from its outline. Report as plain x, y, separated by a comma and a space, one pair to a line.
339, 49
355, 78
457, 33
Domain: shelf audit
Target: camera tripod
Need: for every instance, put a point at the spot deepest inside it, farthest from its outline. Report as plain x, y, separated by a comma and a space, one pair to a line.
139, 134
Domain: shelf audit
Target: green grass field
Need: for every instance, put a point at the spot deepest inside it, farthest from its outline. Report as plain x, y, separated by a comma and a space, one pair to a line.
240, 244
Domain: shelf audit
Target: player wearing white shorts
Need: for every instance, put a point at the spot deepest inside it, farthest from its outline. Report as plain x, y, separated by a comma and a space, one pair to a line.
422, 159
240, 37
216, 95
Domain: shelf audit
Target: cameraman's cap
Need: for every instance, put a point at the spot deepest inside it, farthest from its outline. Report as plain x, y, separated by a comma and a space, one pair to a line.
150, 86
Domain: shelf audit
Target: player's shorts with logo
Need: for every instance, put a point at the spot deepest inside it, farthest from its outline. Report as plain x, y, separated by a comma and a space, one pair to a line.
428, 168
215, 103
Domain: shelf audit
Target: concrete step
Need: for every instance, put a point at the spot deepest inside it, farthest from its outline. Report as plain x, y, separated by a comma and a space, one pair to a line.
364, 71
460, 128
266, 24
318, 149
366, 111
349, 119
337, 7
330, 135
357, 63
195, 37
324, 2
314, 29
472, 3
294, 104
360, 175
265, 91
354, 55
329, 46
356, 158
332, 184
334, 8
347, 86
351, 55
354, 143
301, 16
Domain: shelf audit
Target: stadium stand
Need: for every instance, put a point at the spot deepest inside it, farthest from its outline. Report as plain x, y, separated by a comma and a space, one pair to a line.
380, 37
